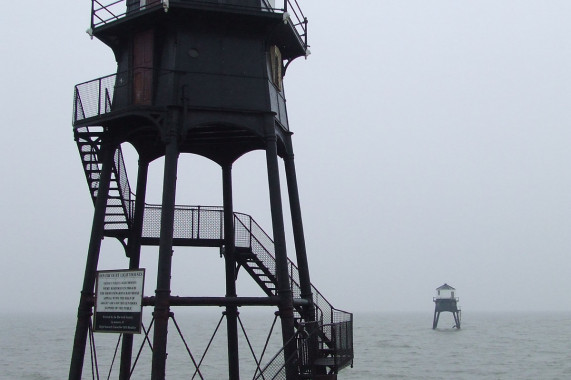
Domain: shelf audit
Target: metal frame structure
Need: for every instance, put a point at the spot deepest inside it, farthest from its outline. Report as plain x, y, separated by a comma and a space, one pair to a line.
448, 304
152, 104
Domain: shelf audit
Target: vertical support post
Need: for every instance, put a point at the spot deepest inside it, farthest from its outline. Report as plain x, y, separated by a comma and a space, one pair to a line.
457, 318
301, 256
162, 302
134, 253
284, 289
230, 264
435, 320
92, 13
299, 237
84, 311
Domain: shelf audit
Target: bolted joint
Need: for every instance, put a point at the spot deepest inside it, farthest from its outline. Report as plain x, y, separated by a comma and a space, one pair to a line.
161, 313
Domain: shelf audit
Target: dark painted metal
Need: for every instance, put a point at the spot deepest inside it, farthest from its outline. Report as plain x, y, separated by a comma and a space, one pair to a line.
230, 264
162, 307
214, 89
85, 308
299, 237
134, 253
218, 301
301, 255
284, 289
447, 305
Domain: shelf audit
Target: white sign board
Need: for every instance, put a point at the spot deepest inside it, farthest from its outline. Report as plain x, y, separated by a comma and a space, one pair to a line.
118, 301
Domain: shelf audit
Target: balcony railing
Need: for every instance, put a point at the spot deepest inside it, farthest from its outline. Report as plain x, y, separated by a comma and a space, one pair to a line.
105, 11
93, 98
96, 97
439, 298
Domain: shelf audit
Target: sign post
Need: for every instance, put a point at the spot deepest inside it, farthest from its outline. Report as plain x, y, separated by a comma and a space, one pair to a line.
118, 305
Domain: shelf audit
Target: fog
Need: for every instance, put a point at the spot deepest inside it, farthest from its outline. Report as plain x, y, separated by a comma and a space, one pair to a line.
431, 142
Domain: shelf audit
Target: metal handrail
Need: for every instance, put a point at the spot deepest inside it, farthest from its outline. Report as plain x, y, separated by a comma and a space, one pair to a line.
127, 195
258, 241
89, 96
94, 98
457, 299
107, 11
341, 349
300, 23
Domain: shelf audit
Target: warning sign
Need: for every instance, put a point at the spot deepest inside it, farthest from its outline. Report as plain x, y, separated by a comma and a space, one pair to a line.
118, 303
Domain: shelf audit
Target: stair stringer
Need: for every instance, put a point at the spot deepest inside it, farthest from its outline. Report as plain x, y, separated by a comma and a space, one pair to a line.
255, 253
120, 202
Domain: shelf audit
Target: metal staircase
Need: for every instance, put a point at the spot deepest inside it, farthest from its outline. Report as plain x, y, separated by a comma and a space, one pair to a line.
203, 225
257, 270
120, 205
332, 330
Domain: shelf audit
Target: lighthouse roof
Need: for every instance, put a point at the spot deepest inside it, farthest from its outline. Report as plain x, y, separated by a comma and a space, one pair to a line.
445, 287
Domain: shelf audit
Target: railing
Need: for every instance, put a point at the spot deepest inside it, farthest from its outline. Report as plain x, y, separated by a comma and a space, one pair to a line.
127, 196
88, 150
120, 203
340, 350
299, 19
190, 222
439, 298
93, 98
250, 235
341, 343
275, 367
207, 223
106, 11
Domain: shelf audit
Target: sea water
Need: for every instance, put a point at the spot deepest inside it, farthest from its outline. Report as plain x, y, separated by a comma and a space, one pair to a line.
387, 346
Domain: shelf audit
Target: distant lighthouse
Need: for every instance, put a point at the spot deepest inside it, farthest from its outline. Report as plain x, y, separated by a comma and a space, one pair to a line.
445, 300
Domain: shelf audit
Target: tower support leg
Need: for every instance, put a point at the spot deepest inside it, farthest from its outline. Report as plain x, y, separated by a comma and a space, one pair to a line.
435, 320
134, 253
284, 289
162, 304
84, 311
230, 264
457, 319
301, 256
299, 237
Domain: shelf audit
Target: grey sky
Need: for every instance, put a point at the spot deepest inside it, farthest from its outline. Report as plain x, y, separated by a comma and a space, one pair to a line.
431, 139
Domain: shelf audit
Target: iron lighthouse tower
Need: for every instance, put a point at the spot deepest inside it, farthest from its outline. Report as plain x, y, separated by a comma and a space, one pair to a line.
201, 77
446, 300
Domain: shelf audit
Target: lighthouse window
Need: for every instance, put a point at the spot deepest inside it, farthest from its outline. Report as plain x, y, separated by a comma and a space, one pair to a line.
276, 66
